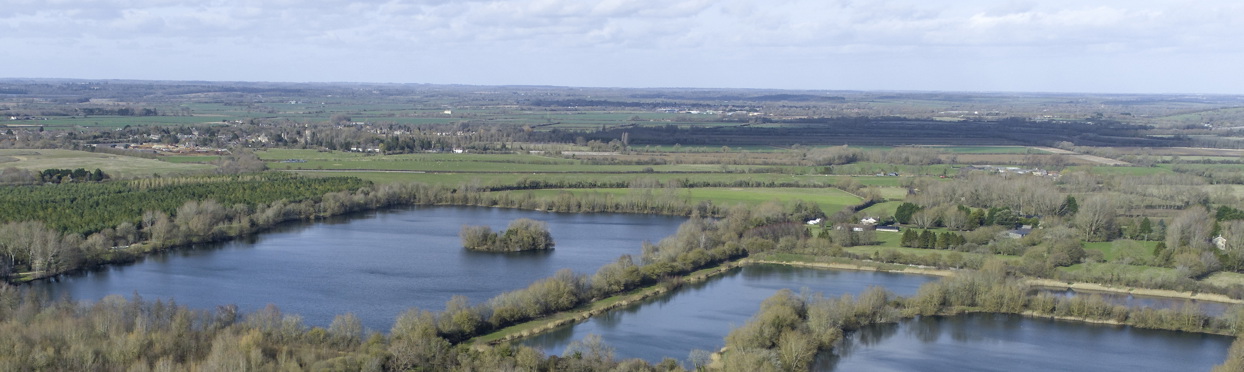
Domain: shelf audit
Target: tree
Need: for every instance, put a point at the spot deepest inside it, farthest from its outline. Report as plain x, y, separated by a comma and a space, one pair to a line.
910, 238
1096, 219
925, 218
1069, 207
927, 240
1233, 244
904, 212
1191, 228
1145, 230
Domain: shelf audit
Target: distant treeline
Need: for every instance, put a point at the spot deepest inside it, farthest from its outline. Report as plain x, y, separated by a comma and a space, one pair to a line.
119, 111
75, 175
15, 176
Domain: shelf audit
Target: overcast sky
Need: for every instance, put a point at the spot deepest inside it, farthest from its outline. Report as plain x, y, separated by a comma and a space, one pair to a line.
1123, 46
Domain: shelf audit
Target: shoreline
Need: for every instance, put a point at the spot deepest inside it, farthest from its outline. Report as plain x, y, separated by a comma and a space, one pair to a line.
907, 269
1035, 282
1096, 287
548, 323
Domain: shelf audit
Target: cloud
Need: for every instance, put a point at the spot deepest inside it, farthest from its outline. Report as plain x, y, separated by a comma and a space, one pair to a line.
577, 35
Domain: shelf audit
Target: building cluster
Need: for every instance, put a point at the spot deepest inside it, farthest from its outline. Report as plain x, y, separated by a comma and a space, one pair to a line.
1010, 170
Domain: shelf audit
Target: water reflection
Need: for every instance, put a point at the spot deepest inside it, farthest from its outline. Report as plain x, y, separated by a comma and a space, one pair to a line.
699, 315
1210, 308
374, 264
992, 342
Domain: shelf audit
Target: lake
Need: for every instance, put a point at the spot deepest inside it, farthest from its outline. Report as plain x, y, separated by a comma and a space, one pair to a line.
699, 315
375, 265
999, 342
378, 264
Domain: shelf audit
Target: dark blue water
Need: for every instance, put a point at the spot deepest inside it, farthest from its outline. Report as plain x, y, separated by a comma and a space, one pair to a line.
374, 265
995, 342
698, 316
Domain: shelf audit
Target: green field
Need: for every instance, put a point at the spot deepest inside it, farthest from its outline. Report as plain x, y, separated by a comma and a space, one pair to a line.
990, 150
1122, 271
201, 159
1225, 279
115, 165
1126, 171
890, 242
882, 210
830, 200
1123, 248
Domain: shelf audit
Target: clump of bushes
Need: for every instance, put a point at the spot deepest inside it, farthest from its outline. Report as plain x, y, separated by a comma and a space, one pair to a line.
523, 234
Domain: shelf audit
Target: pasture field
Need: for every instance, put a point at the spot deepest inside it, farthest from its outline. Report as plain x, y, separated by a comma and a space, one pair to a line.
202, 159
1127, 171
1238, 167
893, 193
469, 165
869, 168
830, 200
454, 179
882, 210
115, 165
1122, 248
989, 149
122, 121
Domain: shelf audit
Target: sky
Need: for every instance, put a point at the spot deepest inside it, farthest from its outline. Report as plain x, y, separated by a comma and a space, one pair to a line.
1101, 46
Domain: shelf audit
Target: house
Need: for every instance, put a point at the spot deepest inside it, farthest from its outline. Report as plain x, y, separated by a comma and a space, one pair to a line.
890, 228
868, 221
856, 228
1020, 232
814, 222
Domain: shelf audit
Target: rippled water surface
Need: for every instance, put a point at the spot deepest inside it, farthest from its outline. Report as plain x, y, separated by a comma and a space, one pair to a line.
375, 265
989, 342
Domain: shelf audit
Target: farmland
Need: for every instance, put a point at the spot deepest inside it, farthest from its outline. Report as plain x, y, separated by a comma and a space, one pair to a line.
116, 165
1059, 188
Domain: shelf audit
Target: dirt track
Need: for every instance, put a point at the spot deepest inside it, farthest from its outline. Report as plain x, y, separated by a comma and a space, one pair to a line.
1085, 157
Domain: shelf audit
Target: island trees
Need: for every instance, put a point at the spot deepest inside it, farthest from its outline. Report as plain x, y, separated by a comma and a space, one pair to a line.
523, 234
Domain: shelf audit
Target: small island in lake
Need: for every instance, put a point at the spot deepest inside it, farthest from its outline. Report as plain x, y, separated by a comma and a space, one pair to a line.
523, 234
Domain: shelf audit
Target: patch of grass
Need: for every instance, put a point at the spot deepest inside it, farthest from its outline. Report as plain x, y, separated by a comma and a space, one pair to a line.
830, 200
991, 150
882, 210
1127, 171
894, 193
869, 250
1225, 279
497, 178
1123, 248
879, 181
183, 159
115, 165
1121, 271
